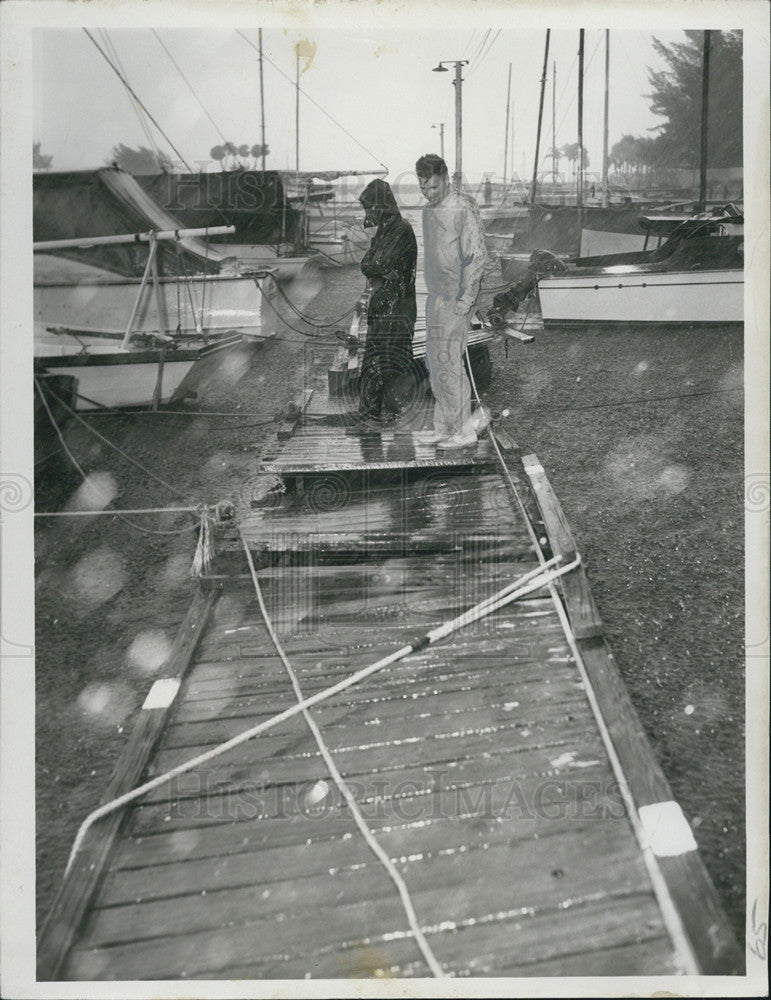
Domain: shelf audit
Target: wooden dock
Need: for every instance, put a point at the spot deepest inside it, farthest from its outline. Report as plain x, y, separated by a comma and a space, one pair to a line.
503, 770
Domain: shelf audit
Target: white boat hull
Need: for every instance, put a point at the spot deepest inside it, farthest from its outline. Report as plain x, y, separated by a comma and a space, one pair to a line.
672, 297
207, 304
134, 385
109, 376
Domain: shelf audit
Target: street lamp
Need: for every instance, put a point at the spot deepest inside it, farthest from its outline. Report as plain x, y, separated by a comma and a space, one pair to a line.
458, 84
440, 126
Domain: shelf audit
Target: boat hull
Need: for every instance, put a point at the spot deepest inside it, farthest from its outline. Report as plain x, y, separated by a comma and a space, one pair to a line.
675, 297
111, 377
204, 304
101, 384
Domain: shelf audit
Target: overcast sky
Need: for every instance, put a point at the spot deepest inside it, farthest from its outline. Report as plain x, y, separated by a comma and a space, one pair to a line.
377, 84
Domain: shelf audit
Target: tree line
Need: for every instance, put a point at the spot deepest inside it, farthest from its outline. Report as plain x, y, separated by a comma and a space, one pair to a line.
675, 96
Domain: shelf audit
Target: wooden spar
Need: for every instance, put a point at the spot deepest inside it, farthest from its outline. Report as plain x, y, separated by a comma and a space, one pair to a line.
506, 141
164, 234
142, 284
605, 124
540, 119
704, 123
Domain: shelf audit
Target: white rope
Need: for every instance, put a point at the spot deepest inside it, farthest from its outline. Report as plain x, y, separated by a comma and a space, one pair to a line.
361, 823
670, 915
526, 584
112, 513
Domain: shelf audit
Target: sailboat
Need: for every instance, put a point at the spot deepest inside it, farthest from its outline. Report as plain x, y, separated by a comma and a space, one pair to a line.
125, 299
578, 217
695, 277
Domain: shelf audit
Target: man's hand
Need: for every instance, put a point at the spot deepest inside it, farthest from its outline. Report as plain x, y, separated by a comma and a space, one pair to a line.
460, 308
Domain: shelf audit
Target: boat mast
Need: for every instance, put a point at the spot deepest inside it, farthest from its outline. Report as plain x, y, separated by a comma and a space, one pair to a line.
704, 126
540, 119
580, 184
605, 198
506, 142
553, 123
297, 109
262, 106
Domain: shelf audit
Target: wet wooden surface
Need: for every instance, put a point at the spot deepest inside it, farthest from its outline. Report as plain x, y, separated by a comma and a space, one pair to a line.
476, 763
316, 449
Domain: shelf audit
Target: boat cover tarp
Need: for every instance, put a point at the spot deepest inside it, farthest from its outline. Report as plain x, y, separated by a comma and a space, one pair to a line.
558, 227
109, 202
250, 200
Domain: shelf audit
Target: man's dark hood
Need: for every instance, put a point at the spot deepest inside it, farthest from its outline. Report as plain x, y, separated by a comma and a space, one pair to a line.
378, 194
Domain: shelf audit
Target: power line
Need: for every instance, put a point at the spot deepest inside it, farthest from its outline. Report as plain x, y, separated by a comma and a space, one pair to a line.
110, 46
485, 53
314, 102
189, 85
479, 48
130, 89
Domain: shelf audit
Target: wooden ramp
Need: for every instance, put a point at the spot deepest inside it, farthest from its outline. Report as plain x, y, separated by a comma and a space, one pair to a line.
503, 770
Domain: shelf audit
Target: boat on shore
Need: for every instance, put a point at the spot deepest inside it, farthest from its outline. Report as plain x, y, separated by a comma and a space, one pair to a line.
131, 341
696, 276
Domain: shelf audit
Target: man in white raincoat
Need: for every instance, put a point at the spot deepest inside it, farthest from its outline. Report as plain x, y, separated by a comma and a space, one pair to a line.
455, 255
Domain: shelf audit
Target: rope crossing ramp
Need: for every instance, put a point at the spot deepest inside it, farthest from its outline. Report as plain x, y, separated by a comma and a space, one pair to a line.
391, 741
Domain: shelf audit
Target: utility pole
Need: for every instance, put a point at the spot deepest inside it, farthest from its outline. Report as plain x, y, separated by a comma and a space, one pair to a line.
262, 106
458, 84
457, 177
440, 126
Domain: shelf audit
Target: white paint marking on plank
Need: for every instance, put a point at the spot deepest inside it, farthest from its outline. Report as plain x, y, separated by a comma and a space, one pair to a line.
668, 831
162, 693
533, 468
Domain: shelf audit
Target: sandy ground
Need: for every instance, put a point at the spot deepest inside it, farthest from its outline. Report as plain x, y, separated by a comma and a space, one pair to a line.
641, 436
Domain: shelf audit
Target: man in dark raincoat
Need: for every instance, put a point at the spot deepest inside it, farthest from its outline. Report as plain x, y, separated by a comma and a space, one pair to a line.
389, 265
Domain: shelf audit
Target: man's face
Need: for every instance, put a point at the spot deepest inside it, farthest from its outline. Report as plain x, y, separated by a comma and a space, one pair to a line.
434, 188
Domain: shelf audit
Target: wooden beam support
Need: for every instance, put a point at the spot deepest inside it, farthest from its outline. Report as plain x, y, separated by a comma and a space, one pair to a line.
72, 902
583, 614
696, 901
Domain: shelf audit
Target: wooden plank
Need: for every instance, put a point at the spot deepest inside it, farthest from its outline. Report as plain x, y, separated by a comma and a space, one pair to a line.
64, 919
274, 764
624, 927
546, 764
211, 865
299, 405
696, 901
321, 450
692, 891
263, 676
583, 614
464, 799
217, 952
486, 878
456, 703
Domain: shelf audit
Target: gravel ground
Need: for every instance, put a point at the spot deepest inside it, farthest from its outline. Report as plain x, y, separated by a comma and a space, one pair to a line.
641, 435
